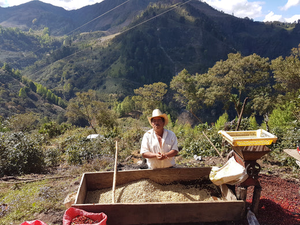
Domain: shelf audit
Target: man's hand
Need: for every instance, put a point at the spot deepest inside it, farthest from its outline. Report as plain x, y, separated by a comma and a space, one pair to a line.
161, 156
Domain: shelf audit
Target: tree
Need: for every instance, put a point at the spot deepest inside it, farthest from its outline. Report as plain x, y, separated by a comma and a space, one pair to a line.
23, 122
46, 31
287, 76
126, 106
236, 78
282, 116
87, 106
190, 93
6, 67
22, 93
220, 124
150, 96
287, 73
41, 90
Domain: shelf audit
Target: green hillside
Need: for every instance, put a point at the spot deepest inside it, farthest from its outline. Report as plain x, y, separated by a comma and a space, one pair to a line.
132, 45
16, 97
20, 49
183, 38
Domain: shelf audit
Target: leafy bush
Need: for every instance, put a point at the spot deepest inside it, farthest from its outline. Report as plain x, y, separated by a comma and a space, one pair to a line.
221, 121
282, 116
201, 127
183, 131
84, 150
74, 155
193, 141
23, 122
52, 129
200, 147
3, 127
253, 123
20, 154
53, 157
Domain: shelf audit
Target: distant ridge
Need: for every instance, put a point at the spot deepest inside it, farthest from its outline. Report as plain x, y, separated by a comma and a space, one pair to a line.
193, 36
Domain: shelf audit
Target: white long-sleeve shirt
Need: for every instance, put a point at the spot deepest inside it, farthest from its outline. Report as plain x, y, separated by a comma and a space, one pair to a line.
150, 143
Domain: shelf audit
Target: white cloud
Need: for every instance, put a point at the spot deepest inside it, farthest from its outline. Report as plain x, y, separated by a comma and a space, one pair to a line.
239, 8
293, 19
272, 17
289, 4
14, 2
71, 4
67, 4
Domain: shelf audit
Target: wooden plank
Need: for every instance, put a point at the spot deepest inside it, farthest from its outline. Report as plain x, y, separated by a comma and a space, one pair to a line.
153, 213
168, 213
293, 153
98, 180
81, 193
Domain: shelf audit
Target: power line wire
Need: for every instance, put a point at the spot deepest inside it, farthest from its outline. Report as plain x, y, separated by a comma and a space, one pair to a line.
97, 17
83, 26
171, 8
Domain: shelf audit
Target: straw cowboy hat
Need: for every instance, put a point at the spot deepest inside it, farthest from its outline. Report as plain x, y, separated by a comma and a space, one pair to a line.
158, 113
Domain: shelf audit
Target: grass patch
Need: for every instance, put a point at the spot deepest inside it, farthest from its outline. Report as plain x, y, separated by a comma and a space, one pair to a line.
23, 201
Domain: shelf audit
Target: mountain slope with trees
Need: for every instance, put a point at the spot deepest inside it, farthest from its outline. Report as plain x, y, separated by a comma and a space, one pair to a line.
156, 40
208, 71
193, 36
21, 96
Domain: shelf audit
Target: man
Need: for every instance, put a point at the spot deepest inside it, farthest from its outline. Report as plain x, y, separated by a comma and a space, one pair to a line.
159, 145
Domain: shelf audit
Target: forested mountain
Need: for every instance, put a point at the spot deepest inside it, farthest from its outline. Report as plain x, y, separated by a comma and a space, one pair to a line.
17, 98
193, 36
116, 46
37, 15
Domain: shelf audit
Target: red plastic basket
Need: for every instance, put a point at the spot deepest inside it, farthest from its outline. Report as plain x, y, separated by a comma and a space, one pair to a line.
72, 212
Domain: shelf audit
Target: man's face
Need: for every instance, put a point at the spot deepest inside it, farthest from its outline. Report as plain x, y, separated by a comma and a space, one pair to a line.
157, 123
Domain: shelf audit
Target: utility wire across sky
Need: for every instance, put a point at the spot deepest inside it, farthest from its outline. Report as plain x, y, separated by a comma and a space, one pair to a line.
173, 7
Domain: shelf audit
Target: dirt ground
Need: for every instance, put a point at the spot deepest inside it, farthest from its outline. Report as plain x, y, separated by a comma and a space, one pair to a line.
280, 196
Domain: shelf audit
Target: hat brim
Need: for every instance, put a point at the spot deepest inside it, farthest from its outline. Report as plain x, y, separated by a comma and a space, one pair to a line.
162, 116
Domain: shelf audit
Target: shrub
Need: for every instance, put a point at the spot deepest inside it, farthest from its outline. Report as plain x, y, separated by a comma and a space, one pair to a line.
23, 122
53, 157
52, 129
253, 123
83, 150
220, 124
20, 154
74, 155
199, 145
282, 116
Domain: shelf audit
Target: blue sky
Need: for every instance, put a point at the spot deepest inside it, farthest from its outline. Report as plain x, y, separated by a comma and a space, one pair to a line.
264, 10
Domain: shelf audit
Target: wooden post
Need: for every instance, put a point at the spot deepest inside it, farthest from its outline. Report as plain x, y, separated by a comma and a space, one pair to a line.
241, 193
115, 174
213, 146
241, 114
255, 199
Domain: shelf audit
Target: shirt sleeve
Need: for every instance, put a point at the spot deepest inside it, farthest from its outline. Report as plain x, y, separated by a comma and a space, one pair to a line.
171, 142
175, 142
145, 144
